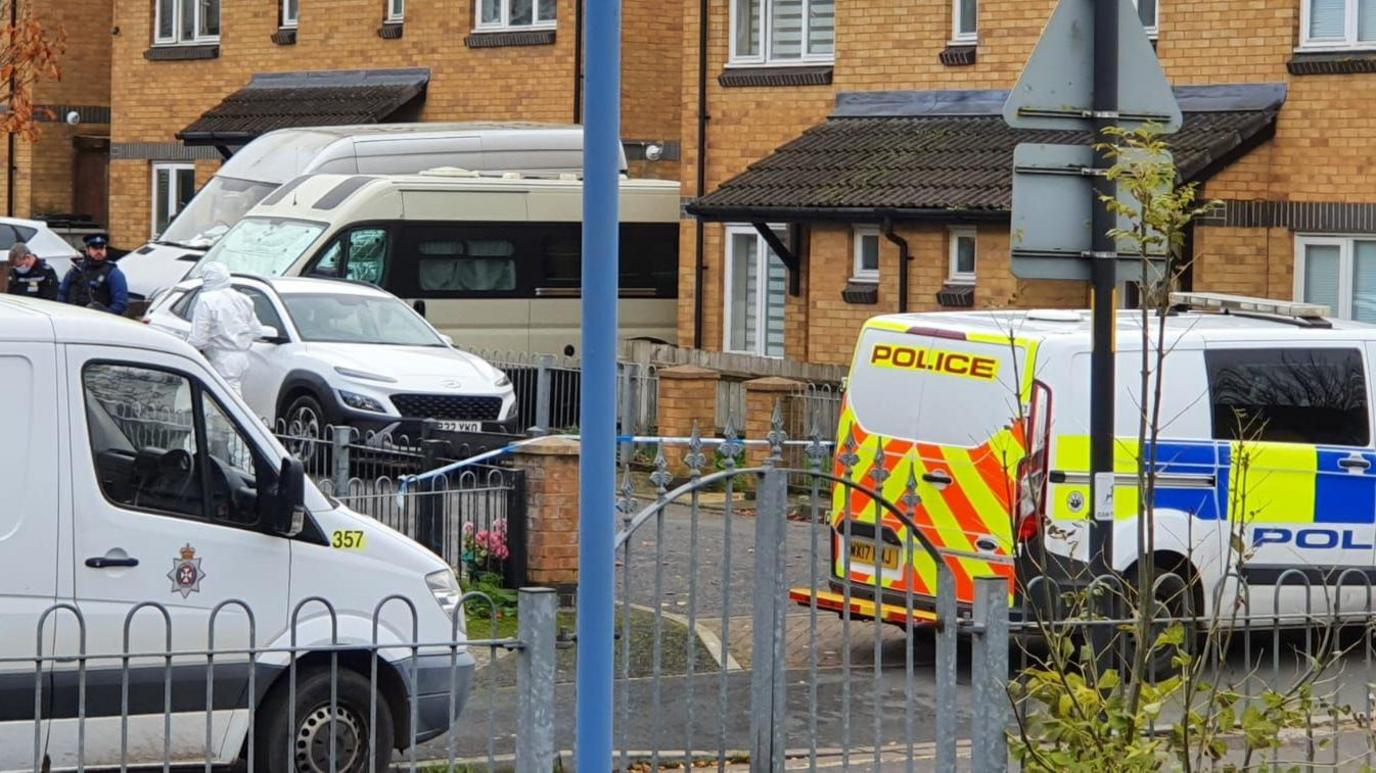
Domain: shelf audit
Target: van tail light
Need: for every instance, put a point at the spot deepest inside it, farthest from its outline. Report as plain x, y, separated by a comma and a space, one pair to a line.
1034, 469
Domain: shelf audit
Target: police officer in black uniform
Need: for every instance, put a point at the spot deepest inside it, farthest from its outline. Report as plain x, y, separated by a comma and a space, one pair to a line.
30, 275
96, 283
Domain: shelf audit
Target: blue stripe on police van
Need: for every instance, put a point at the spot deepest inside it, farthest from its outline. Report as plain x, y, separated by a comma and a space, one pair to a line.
1341, 496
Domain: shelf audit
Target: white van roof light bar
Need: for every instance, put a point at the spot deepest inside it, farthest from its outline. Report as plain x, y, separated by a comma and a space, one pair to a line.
1308, 314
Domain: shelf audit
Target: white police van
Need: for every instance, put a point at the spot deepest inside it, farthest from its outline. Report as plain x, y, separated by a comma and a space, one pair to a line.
1265, 461
133, 476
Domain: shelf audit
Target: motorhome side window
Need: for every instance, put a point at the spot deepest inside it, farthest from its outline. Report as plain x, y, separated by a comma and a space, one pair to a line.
1289, 395
155, 451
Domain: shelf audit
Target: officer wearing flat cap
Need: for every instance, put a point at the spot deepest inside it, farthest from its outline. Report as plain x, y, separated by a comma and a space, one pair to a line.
96, 282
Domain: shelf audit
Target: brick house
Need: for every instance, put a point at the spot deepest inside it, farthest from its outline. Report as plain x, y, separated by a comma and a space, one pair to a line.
841, 135
196, 80
63, 172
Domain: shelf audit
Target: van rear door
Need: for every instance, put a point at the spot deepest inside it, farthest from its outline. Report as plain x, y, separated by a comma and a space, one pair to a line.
31, 473
940, 408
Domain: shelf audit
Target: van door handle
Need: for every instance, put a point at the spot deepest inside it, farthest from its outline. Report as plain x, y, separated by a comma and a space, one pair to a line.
937, 478
1354, 462
101, 562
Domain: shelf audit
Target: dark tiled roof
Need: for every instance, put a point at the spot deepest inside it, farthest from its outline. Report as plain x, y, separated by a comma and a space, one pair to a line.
284, 100
942, 164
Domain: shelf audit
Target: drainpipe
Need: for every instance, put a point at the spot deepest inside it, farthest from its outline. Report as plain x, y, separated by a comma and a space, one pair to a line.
903, 257
9, 138
699, 265
578, 61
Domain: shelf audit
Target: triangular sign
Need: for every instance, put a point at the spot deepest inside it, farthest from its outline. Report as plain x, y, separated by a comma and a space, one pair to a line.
1056, 86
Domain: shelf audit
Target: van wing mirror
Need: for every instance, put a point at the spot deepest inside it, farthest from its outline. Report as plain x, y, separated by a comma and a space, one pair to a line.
288, 508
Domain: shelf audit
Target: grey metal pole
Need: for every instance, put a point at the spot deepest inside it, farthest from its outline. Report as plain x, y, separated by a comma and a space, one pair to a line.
768, 706
544, 363
1103, 274
537, 611
340, 457
947, 655
989, 676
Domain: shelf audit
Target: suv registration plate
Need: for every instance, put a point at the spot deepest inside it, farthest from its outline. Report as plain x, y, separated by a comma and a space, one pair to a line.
459, 426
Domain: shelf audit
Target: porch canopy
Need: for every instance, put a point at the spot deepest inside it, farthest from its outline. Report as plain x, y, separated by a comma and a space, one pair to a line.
947, 156
324, 98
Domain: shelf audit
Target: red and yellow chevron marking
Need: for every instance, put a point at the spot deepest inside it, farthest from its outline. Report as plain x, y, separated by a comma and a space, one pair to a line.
861, 608
977, 503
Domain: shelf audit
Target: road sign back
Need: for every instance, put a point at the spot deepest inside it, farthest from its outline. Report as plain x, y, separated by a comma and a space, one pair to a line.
1055, 89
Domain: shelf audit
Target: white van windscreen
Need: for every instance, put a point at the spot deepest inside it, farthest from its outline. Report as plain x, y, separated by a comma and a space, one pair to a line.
214, 210
262, 246
945, 391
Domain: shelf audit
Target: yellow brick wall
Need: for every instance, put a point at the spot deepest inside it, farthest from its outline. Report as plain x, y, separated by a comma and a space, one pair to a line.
1321, 150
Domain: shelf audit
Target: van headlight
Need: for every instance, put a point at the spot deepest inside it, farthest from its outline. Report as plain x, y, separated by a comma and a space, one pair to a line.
444, 586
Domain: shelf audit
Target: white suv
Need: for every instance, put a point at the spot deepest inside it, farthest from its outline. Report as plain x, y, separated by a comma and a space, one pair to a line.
343, 352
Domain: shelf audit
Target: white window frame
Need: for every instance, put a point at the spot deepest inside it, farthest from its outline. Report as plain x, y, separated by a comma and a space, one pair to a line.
537, 23
737, 59
1349, 40
958, 36
1346, 244
953, 236
288, 20
175, 39
858, 271
1154, 29
171, 169
761, 289
396, 11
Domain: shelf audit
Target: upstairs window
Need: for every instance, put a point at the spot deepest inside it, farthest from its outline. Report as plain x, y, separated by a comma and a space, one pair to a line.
396, 11
965, 21
291, 13
186, 21
1338, 24
1146, 11
783, 31
516, 14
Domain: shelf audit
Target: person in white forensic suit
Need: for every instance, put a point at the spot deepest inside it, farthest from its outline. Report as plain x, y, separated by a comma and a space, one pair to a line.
223, 325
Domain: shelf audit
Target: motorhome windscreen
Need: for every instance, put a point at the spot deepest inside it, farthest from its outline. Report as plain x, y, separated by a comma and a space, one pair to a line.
263, 246
214, 210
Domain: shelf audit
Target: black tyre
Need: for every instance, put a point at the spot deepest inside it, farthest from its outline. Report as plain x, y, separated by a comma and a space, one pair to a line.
1176, 597
309, 738
306, 425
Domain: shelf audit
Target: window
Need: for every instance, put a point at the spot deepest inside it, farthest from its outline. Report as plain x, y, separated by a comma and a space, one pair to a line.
756, 283
1339, 273
467, 265
1147, 12
1289, 395
965, 21
173, 187
263, 309
362, 253
260, 245
291, 13
358, 319
160, 444
186, 21
185, 305
522, 14
962, 255
866, 246
1337, 23
782, 31
396, 10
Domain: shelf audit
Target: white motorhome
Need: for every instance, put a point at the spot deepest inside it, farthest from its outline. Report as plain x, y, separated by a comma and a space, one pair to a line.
492, 261
261, 166
147, 508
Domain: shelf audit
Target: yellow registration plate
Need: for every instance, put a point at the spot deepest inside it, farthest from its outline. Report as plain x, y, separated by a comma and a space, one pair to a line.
863, 551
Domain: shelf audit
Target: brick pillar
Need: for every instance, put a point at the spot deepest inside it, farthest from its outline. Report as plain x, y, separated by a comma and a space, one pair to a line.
760, 396
687, 393
551, 479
